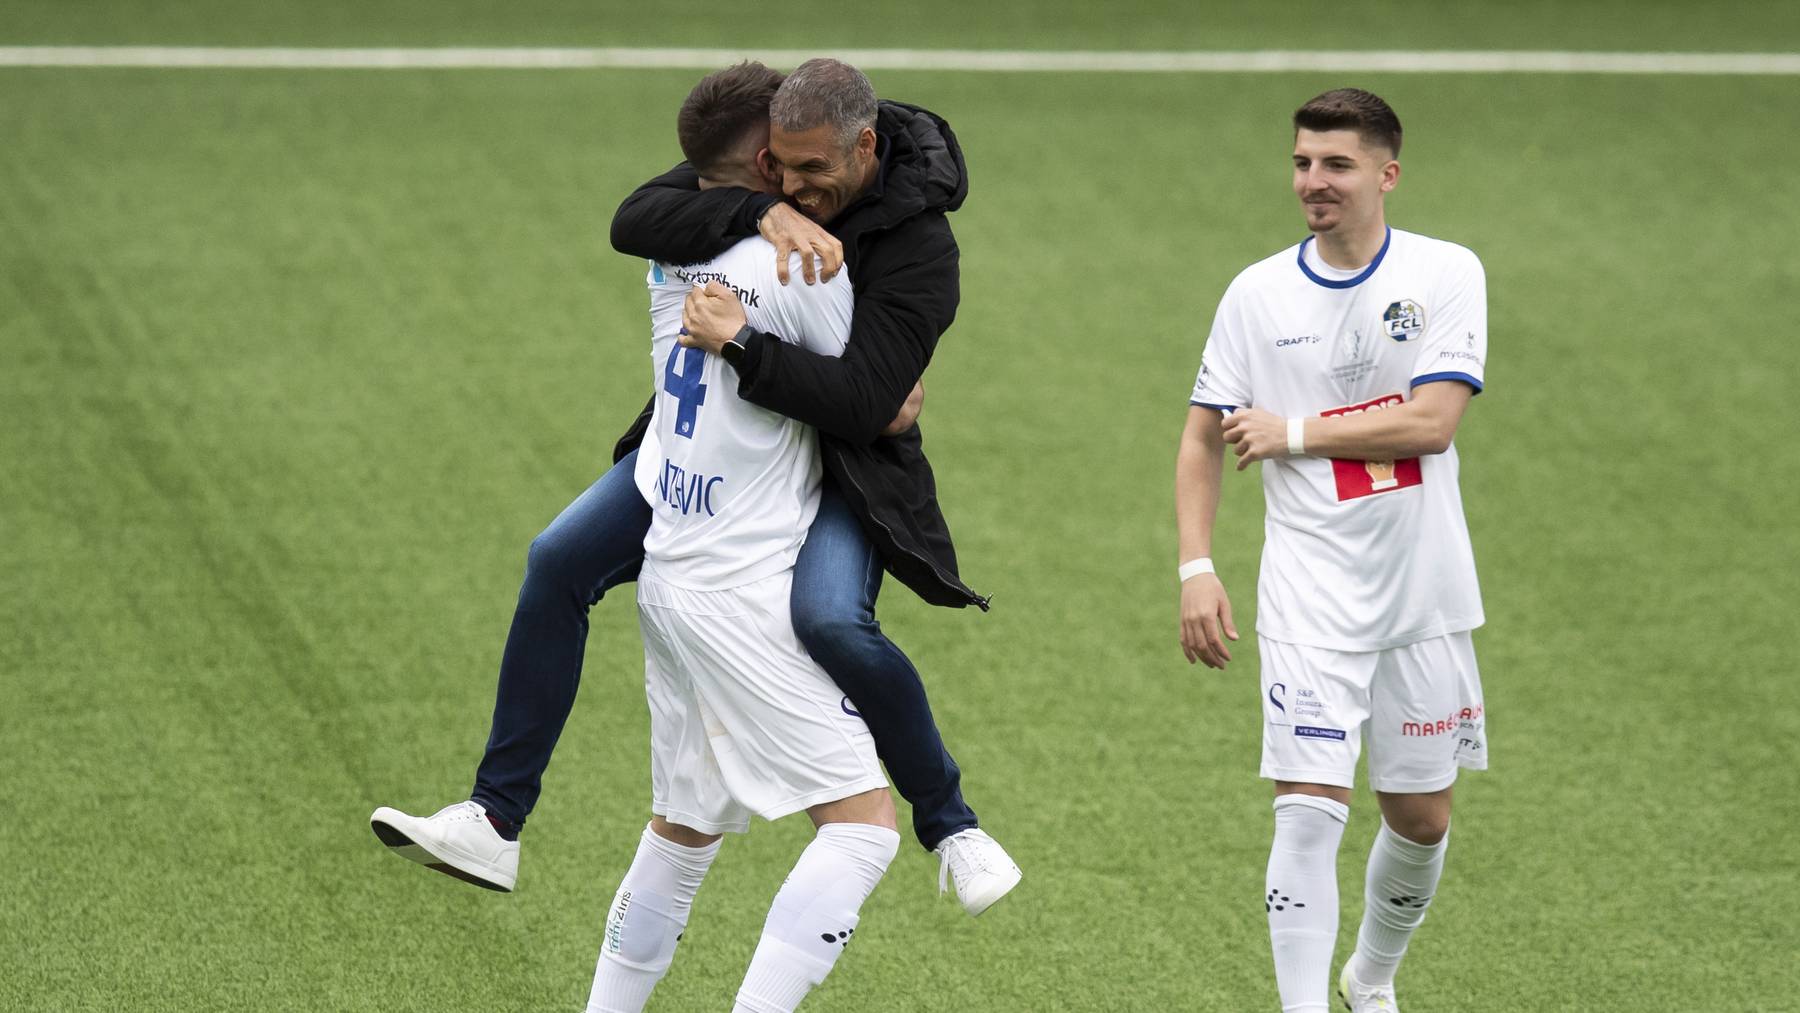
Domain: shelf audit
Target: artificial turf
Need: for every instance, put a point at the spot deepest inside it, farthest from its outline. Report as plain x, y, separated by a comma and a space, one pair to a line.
294, 364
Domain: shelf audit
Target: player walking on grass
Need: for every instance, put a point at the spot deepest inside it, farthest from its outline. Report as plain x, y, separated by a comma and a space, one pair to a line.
1344, 364
742, 720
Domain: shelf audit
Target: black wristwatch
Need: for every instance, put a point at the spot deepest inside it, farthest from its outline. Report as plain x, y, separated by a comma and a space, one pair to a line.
733, 349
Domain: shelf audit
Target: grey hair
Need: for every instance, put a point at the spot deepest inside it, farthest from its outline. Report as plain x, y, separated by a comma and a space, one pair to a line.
825, 91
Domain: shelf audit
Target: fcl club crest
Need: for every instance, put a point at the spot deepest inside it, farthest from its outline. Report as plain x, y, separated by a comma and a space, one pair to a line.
1404, 320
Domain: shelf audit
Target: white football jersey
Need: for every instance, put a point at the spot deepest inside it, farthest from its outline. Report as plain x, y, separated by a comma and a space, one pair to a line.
1358, 555
732, 487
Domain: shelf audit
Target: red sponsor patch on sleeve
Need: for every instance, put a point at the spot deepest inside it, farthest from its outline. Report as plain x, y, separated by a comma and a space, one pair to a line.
1356, 479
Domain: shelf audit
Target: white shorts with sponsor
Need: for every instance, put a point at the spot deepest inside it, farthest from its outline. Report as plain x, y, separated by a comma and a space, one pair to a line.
742, 720
1420, 704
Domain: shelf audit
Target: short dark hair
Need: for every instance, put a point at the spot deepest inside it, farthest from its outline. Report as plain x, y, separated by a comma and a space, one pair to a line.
1352, 109
721, 109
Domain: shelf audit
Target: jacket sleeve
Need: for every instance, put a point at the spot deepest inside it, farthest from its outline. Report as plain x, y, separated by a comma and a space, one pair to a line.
671, 219
906, 297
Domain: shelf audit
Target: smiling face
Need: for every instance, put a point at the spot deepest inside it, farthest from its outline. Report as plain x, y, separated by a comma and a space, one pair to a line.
822, 175
1340, 179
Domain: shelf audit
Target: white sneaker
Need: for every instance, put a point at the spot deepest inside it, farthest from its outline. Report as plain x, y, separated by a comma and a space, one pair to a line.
982, 869
457, 840
1361, 998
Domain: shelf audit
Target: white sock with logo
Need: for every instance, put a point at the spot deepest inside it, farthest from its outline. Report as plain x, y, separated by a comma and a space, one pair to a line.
645, 922
1397, 890
815, 914
1302, 898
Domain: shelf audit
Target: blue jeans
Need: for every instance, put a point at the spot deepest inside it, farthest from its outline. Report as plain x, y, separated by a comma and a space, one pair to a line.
597, 543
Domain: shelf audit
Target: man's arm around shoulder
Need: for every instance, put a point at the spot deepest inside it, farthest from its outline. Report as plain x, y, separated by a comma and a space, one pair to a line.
671, 219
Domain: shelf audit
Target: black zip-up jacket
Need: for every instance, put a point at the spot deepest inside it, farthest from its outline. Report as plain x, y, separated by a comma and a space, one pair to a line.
903, 264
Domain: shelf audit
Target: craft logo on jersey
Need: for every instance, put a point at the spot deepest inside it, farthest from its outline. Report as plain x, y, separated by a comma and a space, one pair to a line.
1356, 479
1404, 320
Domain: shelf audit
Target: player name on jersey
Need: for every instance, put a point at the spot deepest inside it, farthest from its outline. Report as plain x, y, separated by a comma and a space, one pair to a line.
732, 487
688, 492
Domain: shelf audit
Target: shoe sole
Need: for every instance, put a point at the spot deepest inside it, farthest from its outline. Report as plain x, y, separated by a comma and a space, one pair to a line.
412, 851
977, 909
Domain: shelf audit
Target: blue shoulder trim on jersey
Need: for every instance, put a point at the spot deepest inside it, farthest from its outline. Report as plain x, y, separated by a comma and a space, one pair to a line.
1435, 377
1347, 282
1214, 407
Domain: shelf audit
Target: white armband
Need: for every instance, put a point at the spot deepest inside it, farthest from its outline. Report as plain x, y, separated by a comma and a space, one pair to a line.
1296, 436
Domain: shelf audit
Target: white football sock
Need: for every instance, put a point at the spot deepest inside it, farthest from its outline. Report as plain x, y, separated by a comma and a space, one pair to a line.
1302, 898
645, 922
815, 915
1402, 877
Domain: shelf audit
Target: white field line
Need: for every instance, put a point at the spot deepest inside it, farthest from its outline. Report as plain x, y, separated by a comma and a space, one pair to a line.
1268, 60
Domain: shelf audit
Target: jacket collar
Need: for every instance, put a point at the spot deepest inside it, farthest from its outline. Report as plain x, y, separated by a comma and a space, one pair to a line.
921, 169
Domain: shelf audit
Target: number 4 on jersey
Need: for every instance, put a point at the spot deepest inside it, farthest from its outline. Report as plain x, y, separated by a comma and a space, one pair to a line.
686, 387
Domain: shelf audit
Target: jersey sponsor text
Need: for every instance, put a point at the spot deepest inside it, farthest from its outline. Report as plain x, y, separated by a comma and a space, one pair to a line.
1356, 479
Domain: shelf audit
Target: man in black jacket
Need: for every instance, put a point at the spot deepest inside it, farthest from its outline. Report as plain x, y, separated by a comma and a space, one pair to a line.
881, 177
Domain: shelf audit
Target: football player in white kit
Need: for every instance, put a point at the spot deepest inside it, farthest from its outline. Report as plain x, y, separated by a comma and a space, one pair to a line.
742, 721
1344, 364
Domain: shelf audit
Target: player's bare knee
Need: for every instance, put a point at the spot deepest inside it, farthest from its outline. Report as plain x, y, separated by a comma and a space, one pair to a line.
883, 802
1426, 830
874, 807
1421, 819
1331, 791
675, 833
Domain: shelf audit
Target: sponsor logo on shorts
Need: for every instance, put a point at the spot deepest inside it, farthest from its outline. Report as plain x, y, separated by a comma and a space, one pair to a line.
1453, 723
1276, 714
853, 712
1312, 732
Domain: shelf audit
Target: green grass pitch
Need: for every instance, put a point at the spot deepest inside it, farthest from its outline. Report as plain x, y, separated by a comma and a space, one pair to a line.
293, 365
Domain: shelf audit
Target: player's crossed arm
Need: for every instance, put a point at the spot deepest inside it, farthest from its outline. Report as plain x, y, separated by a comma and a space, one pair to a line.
1255, 435
1423, 425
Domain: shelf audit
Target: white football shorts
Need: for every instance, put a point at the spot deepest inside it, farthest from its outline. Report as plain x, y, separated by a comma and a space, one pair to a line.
1421, 705
742, 720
